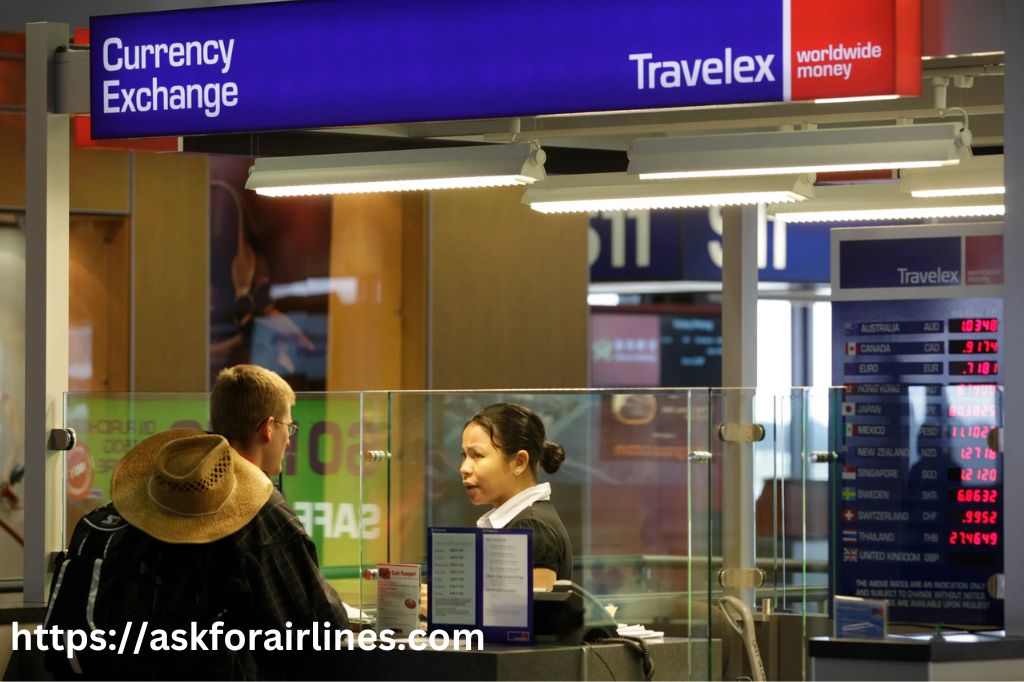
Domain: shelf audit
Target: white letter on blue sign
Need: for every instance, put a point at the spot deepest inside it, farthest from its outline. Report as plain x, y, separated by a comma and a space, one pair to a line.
109, 97
640, 59
107, 64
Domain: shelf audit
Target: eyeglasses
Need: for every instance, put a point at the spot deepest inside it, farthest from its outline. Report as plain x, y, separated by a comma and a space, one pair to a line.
292, 427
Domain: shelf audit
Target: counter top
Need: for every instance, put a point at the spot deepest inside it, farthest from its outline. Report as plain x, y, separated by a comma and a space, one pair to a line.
956, 646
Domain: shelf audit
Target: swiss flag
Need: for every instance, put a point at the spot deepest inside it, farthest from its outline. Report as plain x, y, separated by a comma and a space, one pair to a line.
849, 514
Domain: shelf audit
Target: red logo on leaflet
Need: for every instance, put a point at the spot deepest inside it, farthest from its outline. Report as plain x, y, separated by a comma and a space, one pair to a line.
983, 259
79, 466
855, 49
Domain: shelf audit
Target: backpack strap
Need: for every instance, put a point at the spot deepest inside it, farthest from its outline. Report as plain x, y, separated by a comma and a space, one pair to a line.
93, 537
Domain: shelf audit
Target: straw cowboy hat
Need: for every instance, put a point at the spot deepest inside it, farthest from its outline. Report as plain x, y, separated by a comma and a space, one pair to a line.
188, 486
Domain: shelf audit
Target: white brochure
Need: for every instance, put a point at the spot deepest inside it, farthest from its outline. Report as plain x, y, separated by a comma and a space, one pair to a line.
506, 588
453, 578
398, 595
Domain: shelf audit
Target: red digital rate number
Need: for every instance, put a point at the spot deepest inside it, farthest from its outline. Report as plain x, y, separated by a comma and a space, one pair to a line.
974, 324
986, 475
980, 517
977, 537
974, 452
977, 495
974, 368
974, 346
975, 431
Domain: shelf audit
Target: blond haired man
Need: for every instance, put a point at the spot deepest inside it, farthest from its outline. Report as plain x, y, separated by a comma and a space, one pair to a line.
252, 407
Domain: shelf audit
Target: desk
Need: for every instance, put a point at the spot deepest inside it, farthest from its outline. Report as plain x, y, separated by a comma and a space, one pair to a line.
918, 657
540, 662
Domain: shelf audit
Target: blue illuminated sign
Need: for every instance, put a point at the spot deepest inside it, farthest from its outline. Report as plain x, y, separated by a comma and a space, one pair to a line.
318, 63
644, 246
914, 262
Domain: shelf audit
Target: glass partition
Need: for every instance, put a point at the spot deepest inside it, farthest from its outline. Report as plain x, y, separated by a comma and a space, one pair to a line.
108, 425
645, 489
791, 489
631, 493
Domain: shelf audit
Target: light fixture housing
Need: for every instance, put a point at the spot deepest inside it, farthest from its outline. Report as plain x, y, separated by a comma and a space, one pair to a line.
800, 151
881, 203
623, 192
414, 169
980, 175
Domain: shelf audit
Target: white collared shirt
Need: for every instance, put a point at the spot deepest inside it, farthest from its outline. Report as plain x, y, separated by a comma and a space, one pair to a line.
500, 516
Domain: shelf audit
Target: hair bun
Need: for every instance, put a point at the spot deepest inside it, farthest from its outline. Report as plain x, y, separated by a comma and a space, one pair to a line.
552, 456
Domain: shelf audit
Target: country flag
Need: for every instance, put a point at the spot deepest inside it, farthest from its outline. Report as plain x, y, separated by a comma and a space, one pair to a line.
849, 494
849, 409
849, 554
850, 431
849, 536
849, 473
851, 347
849, 514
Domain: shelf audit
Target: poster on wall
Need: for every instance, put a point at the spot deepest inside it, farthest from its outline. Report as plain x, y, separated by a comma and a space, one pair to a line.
917, 344
269, 267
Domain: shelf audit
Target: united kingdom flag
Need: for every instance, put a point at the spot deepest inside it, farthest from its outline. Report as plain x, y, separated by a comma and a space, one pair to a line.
849, 554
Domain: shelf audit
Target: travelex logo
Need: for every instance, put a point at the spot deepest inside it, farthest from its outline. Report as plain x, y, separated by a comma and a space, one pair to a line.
933, 277
653, 74
155, 95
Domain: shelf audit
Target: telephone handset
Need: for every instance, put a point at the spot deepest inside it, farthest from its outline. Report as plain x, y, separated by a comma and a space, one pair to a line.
599, 623
568, 614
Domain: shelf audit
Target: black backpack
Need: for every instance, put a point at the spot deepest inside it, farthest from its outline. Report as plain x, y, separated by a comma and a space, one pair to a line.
114, 577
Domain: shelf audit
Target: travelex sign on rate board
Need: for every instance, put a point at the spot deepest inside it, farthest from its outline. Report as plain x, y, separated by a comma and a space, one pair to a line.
319, 63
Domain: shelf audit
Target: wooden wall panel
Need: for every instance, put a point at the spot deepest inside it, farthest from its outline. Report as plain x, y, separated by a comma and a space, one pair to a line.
12, 159
508, 296
171, 256
100, 282
99, 180
414, 292
364, 314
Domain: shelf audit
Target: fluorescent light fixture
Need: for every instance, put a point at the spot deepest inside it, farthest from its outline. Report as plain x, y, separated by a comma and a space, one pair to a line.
396, 171
979, 176
879, 203
604, 299
800, 151
623, 192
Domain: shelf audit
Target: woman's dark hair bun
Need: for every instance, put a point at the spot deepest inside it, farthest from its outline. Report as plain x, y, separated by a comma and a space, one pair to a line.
552, 456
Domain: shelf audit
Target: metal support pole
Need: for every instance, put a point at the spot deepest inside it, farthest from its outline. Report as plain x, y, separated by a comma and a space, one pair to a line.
1013, 324
46, 302
739, 370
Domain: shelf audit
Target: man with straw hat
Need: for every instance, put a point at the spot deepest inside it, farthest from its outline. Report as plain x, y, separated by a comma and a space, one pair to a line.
195, 533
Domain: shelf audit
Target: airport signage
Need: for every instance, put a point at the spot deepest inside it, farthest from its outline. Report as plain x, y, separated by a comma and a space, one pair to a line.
320, 63
686, 244
930, 261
